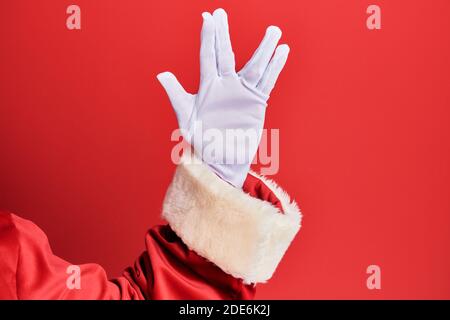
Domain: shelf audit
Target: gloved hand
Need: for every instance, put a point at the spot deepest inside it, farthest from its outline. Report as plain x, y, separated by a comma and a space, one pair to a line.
224, 120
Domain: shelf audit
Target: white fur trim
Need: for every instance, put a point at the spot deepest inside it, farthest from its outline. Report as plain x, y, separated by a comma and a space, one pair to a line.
244, 236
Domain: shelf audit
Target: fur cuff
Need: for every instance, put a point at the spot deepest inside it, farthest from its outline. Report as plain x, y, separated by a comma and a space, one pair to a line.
244, 236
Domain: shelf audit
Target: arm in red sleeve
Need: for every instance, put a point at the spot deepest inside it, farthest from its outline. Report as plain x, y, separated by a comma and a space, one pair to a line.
188, 259
166, 270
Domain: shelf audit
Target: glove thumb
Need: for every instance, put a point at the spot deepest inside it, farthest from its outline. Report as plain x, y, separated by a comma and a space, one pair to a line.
182, 102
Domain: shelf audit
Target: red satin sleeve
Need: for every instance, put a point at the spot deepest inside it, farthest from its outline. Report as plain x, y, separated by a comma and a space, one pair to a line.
167, 269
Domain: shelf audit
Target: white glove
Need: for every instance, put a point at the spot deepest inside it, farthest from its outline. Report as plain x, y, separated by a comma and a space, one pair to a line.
227, 100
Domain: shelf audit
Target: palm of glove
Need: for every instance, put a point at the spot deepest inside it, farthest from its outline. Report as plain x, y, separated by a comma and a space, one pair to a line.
224, 120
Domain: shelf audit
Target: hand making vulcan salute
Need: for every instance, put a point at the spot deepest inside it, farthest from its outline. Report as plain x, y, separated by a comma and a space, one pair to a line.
228, 228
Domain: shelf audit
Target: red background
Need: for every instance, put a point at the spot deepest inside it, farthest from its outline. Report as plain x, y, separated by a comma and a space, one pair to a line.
363, 118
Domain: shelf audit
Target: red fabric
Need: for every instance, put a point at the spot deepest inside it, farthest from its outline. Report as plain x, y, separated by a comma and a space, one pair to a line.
258, 189
166, 270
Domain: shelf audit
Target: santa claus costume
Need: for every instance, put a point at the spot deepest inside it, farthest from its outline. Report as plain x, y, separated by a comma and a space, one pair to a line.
228, 228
